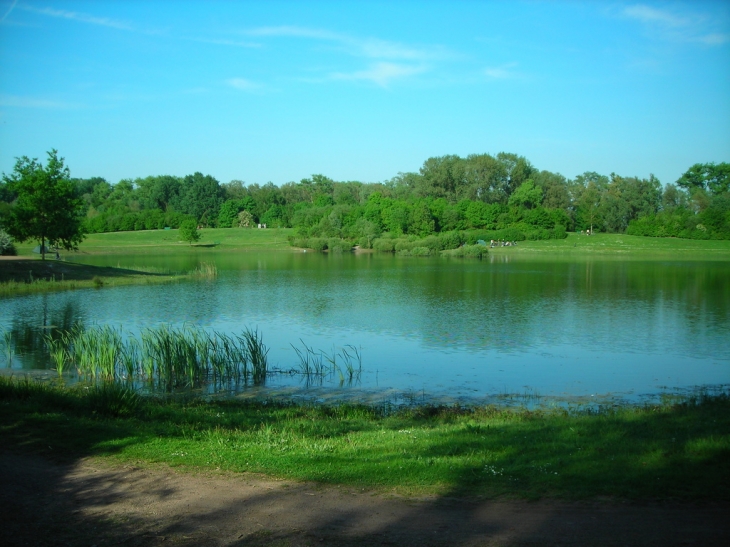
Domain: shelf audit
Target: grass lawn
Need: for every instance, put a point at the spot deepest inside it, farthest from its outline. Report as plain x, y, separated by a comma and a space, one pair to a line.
674, 451
622, 245
168, 241
238, 239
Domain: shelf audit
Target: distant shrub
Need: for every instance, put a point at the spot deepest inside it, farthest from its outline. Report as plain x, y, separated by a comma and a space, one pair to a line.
421, 251
337, 245
7, 245
317, 243
467, 251
384, 245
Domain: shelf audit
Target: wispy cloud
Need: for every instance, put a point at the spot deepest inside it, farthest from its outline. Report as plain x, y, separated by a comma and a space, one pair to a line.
296, 32
18, 101
223, 42
244, 84
78, 16
381, 74
389, 61
678, 26
503, 72
373, 48
9, 10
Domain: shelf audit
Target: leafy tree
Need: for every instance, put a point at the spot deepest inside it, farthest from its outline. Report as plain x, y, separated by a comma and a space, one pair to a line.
200, 196
245, 220
189, 231
47, 206
158, 192
712, 177
526, 195
673, 198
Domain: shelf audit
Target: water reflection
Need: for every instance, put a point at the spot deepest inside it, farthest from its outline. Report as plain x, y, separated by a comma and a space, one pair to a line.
451, 326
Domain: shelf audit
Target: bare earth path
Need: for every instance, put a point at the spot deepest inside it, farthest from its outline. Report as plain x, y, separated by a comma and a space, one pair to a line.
92, 503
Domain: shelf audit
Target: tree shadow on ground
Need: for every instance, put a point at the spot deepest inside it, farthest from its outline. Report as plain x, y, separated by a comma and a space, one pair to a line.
71, 500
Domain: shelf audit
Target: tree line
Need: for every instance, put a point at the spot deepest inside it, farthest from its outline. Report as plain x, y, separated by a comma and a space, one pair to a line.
448, 193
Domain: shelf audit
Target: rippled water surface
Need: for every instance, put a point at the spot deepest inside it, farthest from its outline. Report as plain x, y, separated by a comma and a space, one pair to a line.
429, 327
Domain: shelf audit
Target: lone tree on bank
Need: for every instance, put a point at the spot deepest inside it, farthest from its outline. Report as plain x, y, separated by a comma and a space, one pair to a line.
189, 231
46, 205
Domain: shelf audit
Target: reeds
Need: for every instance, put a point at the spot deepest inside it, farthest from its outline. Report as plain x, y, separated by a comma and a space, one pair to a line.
205, 270
169, 356
8, 349
314, 364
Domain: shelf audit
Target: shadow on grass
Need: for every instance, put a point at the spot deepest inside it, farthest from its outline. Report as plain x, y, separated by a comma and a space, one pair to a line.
51, 495
29, 270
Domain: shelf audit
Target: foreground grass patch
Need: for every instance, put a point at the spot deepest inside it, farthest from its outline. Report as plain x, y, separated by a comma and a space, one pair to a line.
677, 451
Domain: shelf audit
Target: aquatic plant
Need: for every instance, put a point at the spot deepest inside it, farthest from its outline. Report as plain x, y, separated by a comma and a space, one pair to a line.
8, 347
205, 270
170, 357
57, 348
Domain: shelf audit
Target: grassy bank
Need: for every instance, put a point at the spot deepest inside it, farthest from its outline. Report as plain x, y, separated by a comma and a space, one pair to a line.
679, 451
29, 276
621, 245
237, 239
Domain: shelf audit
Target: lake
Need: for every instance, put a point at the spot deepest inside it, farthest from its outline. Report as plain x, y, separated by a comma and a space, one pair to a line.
431, 329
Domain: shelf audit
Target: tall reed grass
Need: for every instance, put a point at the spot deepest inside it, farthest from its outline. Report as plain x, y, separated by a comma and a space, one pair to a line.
314, 364
8, 349
167, 356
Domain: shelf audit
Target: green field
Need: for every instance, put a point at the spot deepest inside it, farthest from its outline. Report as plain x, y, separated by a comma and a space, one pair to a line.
168, 241
672, 451
625, 245
237, 239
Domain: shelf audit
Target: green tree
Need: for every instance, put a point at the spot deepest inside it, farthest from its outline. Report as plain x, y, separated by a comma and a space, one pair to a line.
526, 195
189, 231
47, 207
708, 176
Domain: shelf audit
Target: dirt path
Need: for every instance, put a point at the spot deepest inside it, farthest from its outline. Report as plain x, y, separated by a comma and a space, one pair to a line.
90, 503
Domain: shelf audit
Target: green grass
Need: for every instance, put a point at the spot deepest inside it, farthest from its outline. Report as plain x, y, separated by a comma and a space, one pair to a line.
241, 239
624, 246
677, 451
156, 241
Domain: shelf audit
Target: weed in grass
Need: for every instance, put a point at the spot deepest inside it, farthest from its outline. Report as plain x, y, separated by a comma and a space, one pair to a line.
113, 399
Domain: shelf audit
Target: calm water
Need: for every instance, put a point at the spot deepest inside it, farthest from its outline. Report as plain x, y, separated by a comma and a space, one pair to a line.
433, 328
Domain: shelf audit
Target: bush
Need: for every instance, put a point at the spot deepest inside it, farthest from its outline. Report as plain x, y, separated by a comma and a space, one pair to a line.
336, 245
7, 245
384, 245
467, 251
317, 243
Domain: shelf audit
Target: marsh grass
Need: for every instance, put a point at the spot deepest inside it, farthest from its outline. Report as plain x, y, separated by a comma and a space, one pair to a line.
8, 348
205, 270
164, 356
320, 364
666, 452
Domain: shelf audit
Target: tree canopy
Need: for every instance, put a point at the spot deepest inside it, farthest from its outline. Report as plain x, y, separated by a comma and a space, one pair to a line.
46, 206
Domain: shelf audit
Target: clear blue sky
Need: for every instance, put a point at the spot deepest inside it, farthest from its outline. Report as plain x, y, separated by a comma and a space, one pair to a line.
277, 91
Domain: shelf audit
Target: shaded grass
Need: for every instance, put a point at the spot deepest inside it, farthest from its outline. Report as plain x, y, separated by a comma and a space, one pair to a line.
677, 451
31, 276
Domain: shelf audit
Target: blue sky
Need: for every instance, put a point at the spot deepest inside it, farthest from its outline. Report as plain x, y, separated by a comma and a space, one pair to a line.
277, 91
